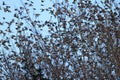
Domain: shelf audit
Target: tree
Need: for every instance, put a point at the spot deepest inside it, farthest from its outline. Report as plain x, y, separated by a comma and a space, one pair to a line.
83, 42
19, 50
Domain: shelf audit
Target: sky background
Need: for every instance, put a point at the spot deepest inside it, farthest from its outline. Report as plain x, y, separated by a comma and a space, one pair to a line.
37, 4
44, 16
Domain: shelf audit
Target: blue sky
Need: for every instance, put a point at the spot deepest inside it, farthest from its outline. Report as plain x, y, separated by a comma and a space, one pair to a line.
43, 17
16, 3
9, 16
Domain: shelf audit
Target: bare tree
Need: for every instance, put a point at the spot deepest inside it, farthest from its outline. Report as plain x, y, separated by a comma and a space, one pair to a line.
84, 42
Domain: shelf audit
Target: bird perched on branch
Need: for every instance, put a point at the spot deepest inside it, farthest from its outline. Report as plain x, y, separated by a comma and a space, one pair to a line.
58, 11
